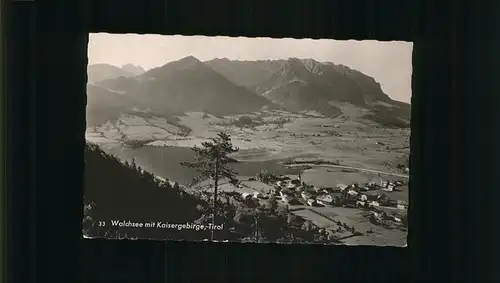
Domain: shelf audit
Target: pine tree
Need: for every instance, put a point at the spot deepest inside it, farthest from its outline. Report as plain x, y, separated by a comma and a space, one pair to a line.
273, 204
176, 187
212, 162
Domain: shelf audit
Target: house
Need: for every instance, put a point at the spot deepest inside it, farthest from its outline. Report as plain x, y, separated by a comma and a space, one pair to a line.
286, 178
306, 195
364, 188
275, 190
374, 203
360, 203
352, 186
350, 203
285, 193
363, 198
325, 199
330, 190
378, 216
389, 188
371, 197
311, 202
388, 202
384, 184
385, 216
352, 193
317, 190
246, 196
306, 186
256, 195
341, 187
401, 206
286, 199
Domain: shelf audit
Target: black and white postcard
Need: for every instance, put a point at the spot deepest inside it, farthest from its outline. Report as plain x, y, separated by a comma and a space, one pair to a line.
195, 138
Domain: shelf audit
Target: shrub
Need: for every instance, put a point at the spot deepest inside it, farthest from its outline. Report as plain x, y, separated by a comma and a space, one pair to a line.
244, 121
404, 221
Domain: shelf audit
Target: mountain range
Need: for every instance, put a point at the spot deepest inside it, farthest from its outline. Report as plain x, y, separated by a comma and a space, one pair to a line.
104, 105
225, 87
133, 69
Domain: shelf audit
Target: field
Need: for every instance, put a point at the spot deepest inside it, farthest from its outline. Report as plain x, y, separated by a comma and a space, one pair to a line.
327, 217
320, 221
271, 136
358, 219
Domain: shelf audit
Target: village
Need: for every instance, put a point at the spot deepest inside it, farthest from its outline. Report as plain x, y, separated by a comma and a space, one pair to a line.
353, 213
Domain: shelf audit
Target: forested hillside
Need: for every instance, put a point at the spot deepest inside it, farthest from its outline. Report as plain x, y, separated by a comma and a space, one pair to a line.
125, 192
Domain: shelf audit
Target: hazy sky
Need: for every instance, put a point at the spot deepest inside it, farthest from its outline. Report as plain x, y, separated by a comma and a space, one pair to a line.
388, 62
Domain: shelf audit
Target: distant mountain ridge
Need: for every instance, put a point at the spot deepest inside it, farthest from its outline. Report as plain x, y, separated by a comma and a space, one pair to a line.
188, 85
246, 73
266, 74
306, 84
101, 72
133, 69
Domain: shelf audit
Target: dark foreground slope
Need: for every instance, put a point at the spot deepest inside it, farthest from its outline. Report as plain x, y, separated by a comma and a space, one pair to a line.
117, 191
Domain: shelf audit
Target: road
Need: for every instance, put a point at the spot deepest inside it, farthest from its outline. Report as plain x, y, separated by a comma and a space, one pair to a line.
350, 168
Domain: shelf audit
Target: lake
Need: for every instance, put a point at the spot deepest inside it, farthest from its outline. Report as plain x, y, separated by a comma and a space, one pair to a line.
165, 162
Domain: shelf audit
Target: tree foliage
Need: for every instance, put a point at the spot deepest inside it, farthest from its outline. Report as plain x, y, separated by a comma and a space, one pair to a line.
266, 176
212, 154
118, 191
212, 162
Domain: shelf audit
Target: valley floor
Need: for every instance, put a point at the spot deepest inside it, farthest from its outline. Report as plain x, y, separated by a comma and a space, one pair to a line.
328, 217
326, 151
269, 135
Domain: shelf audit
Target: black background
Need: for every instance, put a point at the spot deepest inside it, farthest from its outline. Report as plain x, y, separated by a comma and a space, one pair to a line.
452, 223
